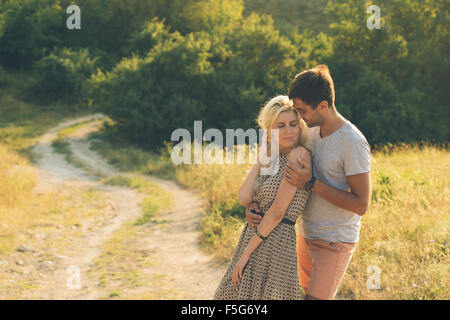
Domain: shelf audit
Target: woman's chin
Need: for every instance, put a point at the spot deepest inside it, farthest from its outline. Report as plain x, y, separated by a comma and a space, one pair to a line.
287, 146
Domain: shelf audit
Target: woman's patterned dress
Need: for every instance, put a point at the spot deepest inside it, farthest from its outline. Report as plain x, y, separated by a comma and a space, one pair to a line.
271, 272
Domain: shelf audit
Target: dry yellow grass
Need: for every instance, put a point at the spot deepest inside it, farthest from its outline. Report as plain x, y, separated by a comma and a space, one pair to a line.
405, 232
406, 229
23, 209
120, 268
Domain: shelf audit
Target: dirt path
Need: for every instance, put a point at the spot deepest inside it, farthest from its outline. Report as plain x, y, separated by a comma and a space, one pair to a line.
187, 270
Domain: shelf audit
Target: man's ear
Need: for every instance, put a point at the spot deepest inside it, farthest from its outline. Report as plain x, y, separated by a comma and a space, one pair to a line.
323, 105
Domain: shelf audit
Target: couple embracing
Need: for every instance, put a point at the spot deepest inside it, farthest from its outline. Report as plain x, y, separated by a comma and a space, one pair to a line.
323, 180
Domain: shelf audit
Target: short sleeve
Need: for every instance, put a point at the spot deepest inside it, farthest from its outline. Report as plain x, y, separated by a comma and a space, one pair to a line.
357, 157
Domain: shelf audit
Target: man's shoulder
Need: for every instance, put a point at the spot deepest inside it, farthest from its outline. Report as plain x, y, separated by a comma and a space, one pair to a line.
351, 135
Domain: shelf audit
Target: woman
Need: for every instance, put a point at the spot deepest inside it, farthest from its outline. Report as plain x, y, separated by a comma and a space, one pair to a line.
264, 265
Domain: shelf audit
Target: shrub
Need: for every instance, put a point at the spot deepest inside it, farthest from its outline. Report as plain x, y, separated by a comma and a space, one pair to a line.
28, 28
221, 79
63, 74
143, 40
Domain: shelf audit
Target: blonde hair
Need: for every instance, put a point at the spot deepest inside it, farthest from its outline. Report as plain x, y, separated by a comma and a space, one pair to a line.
267, 117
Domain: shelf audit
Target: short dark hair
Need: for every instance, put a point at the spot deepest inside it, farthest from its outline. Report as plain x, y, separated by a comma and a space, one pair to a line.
313, 86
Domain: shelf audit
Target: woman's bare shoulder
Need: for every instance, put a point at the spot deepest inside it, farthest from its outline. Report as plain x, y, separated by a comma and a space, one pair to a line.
298, 152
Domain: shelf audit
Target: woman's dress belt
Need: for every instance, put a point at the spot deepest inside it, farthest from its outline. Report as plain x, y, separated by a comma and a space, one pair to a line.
285, 220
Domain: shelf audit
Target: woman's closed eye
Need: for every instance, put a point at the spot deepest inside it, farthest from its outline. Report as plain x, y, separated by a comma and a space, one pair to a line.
293, 125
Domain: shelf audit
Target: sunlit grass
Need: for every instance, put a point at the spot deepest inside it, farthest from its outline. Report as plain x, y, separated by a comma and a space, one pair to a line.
23, 122
119, 264
122, 261
126, 157
61, 145
405, 232
24, 209
155, 201
406, 229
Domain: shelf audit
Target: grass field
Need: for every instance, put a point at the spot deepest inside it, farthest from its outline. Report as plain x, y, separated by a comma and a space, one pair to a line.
119, 268
21, 208
25, 212
405, 232
21, 120
156, 199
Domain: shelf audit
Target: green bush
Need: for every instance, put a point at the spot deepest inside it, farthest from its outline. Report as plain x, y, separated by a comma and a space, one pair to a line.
150, 97
216, 16
218, 61
268, 56
63, 74
221, 79
28, 28
390, 82
142, 41
2, 77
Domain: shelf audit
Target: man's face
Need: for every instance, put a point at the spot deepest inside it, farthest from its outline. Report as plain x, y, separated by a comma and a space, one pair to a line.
312, 117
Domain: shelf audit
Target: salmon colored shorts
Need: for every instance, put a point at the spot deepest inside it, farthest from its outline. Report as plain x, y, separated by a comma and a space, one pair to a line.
322, 265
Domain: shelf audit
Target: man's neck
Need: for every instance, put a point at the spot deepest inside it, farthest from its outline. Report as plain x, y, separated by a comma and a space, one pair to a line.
332, 123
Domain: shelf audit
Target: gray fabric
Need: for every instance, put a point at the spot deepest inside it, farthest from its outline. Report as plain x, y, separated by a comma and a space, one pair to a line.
345, 152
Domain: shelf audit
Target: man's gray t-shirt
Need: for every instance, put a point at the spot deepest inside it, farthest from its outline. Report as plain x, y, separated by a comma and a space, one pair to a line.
343, 153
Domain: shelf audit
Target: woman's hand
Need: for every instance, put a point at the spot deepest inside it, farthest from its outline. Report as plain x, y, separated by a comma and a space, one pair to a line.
239, 268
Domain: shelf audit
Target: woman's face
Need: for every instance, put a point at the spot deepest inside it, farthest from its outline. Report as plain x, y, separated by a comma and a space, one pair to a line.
288, 129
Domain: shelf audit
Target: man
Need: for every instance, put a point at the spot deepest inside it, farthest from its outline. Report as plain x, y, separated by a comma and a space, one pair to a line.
339, 180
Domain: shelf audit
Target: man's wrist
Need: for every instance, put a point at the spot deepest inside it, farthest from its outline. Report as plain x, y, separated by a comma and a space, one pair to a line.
310, 184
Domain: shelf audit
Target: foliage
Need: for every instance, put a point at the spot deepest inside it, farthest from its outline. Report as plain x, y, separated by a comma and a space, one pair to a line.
63, 74
389, 81
219, 60
28, 28
219, 79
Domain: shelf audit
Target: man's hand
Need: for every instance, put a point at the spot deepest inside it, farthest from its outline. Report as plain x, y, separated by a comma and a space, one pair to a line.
298, 174
253, 219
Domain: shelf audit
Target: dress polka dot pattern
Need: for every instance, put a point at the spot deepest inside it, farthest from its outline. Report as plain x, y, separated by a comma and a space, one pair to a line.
271, 273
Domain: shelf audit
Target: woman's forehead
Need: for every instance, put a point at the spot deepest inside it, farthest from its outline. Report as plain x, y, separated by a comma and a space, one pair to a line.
289, 115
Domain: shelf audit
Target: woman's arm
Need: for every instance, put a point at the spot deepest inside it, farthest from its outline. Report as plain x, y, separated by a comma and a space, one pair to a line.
246, 190
276, 212
273, 216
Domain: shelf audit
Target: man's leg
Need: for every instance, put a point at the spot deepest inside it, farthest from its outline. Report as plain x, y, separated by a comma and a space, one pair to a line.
304, 262
329, 263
